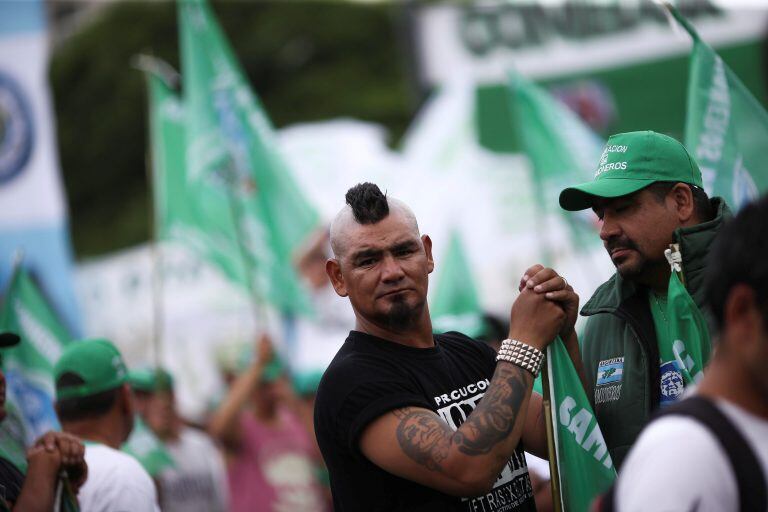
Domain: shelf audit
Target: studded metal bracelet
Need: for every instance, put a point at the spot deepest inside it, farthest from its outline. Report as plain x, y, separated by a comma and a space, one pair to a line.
521, 354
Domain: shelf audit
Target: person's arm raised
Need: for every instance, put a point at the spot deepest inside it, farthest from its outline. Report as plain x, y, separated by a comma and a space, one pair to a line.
416, 444
224, 425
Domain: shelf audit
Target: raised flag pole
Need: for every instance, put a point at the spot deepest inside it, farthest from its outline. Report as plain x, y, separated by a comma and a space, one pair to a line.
257, 304
554, 470
151, 65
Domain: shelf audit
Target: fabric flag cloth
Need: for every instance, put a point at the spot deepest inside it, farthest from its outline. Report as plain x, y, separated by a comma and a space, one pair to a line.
177, 215
145, 447
28, 366
687, 327
242, 191
454, 305
584, 464
725, 128
560, 146
34, 214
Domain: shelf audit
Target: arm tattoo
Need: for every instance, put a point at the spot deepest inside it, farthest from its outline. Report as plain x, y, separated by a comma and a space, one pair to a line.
427, 439
494, 418
423, 436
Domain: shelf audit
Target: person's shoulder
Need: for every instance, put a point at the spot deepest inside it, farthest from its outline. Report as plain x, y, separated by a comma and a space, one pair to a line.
678, 461
456, 341
194, 437
104, 458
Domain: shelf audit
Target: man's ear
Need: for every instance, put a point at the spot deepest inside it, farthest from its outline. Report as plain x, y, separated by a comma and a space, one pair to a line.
741, 316
333, 269
126, 397
427, 242
682, 195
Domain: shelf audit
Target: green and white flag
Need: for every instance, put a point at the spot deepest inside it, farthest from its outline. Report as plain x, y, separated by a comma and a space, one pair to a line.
241, 188
28, 366
455, 306
178, 215
562, 149
584, 464
687, 327
726, 128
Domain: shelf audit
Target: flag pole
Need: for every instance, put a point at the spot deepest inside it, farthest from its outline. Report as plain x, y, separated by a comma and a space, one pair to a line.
151, 65
554, 470
257, 304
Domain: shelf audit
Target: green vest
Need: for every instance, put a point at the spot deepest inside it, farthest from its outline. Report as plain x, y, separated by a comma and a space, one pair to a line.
619, 346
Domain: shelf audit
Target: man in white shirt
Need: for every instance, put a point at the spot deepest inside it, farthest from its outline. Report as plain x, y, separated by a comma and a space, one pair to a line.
93, 402
197, 480
680, 463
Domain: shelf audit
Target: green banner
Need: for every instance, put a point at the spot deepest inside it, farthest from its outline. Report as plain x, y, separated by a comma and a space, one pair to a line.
561, 148
455, 306
726, 127
688, 331
221, 186
235, 176
585, 466
28, 366
178, 216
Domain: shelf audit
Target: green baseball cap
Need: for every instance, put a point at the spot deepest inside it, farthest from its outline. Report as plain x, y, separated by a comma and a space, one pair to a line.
90, 367
150, 380
631, 161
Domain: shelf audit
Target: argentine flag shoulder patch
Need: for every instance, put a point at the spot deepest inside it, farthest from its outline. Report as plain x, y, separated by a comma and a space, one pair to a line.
609, 371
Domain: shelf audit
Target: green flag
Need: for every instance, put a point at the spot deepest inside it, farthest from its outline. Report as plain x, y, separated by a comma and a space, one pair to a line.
178, 215
726, 128
560, 147
145, 446
234, 174
455, 306
584, 464
687, 328
28, 366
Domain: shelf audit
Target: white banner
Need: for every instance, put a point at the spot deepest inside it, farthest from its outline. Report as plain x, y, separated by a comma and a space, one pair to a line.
33, 217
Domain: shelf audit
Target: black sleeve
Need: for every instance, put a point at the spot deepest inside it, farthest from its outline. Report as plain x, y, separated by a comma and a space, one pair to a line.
371, 400
11, 481
360, 390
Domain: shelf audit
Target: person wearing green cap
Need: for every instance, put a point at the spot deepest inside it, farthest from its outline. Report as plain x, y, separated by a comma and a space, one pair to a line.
195, 480
35, 490
93, 402
647, 193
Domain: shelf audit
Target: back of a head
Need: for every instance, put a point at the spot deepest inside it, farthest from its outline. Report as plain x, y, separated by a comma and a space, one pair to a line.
369, 205
738, 256
88, 378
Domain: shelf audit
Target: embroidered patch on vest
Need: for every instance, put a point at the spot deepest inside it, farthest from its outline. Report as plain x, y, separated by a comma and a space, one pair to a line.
610, 371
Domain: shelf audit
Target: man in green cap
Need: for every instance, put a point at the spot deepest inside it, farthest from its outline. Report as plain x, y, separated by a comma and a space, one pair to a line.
93, 402
647, 193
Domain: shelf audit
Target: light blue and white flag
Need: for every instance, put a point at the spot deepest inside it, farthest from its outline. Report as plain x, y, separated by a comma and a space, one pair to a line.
33, 216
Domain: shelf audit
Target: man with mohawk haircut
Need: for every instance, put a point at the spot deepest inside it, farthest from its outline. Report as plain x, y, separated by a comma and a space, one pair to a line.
408, 420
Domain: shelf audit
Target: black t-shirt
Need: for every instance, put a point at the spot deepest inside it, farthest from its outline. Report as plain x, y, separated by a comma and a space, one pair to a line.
11, 481
370, 376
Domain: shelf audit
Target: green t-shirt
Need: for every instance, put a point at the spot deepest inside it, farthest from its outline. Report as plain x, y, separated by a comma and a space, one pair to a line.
672, 383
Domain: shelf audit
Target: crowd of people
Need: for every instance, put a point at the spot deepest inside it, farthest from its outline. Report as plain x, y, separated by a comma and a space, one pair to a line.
408, 419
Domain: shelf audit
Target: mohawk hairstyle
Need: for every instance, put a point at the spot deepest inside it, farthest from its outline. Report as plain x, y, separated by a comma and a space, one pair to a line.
369, 205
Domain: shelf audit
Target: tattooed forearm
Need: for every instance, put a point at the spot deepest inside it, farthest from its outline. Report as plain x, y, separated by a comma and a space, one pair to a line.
494, 418
427, 439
